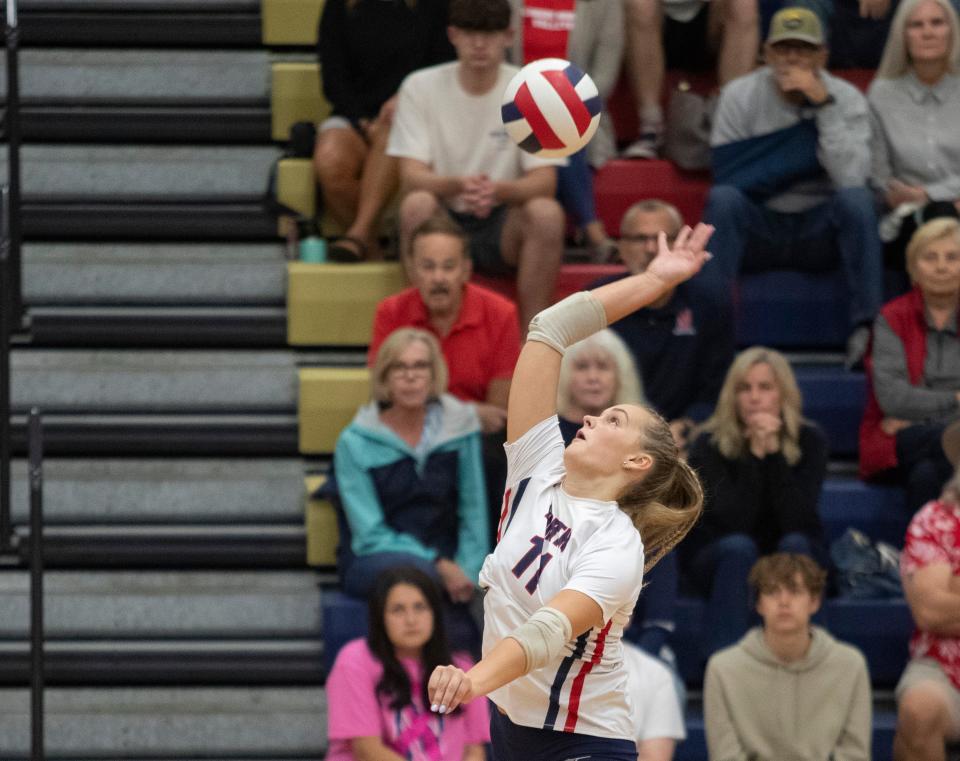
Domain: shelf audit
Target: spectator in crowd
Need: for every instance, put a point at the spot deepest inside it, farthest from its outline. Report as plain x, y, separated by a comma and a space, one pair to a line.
685, 34
657, 712
589, 34
915, 107
791, 158
366, 48
762, 467
788, 689
376, 692
455, 154
409, 477
914, 369
928, 695
684, 342
596, 373
477, 330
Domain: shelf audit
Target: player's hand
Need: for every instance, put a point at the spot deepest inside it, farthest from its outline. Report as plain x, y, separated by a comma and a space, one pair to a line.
448, 688
674, 265
387, 110
455, 581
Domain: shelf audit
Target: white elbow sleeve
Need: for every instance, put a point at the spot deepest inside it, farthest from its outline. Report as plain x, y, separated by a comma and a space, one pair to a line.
543, 636
576, 317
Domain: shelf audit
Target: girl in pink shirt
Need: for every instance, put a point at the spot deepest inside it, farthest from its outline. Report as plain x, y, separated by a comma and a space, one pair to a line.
376, 691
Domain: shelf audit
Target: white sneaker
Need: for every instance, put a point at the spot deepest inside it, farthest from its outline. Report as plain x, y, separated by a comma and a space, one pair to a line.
647, 147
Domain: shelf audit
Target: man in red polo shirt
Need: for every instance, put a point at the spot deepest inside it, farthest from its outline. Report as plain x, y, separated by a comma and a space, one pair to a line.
477, 329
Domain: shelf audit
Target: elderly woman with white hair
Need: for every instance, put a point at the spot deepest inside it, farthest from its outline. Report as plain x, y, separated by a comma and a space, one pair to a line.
915, 109
914, 370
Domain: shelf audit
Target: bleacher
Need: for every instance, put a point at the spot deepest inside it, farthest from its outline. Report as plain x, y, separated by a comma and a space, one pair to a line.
193, 382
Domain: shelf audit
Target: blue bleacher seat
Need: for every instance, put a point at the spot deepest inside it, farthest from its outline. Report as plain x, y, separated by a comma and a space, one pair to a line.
834, 399
880, 628
878, 511
770, 304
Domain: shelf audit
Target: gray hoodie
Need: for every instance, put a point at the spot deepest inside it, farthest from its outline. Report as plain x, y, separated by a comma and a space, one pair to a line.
758, 708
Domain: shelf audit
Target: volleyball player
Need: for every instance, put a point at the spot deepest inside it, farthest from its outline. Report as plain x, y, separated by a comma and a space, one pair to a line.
578, 529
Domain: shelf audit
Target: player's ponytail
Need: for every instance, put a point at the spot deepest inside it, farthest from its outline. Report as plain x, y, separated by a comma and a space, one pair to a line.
666, 504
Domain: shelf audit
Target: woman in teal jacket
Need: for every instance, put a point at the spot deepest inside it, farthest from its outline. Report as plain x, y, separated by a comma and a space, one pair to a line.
409, 475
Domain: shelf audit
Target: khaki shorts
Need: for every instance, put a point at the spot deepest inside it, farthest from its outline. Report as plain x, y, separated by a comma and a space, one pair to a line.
927, 672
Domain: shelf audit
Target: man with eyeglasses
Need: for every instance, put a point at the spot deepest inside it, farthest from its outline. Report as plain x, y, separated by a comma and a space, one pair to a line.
477, 328
791, 158
682, 343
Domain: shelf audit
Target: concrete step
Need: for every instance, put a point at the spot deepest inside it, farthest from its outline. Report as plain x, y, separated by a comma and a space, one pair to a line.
58, 75
85, 434
158, 327
143, 173
170, 722
153, 381
134, 491
150, 605
153, 273
167, 663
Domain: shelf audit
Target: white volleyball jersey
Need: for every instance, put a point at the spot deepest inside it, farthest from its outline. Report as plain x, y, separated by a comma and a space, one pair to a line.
550, 541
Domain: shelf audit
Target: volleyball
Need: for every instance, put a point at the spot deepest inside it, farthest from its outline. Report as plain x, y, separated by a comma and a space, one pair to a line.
551, 108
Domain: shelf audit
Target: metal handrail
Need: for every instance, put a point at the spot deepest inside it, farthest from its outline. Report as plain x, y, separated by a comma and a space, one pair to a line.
13, 135
36, 587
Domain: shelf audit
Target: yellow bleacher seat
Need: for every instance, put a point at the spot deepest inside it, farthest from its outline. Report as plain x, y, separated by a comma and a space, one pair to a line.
296, 187
334, 304
295, 96
329, 398
321, 526
290, 22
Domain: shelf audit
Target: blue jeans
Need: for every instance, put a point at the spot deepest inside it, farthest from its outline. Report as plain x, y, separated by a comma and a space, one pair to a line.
575, 189
653, 617
721, 570
751, 237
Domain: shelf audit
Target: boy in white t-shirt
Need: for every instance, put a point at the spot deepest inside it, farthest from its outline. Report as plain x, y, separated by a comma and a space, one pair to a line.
455, 153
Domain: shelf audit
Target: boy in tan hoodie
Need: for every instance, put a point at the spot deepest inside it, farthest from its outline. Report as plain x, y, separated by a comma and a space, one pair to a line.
788, 691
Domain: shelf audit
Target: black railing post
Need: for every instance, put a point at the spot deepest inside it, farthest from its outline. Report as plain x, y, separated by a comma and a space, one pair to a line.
6, 328
13, 135
36, 586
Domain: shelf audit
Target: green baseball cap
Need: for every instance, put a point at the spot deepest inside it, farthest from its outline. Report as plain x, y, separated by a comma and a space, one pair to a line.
798, 24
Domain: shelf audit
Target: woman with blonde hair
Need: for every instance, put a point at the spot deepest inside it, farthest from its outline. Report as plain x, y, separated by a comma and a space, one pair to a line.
915, 107
408, 475
914, 370
762, 466
579, 527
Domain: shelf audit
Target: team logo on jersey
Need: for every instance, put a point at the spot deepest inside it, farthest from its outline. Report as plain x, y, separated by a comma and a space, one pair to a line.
684, 325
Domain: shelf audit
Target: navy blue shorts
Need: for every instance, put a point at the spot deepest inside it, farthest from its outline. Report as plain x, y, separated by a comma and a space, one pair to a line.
511, 742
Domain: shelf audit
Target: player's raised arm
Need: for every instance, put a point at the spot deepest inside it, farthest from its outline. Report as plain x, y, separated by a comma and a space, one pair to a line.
533, 392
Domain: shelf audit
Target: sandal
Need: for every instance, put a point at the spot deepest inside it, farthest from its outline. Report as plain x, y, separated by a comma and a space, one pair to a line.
346, 249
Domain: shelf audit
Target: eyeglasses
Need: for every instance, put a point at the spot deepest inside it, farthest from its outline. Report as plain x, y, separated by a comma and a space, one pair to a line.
414, 368
645, 239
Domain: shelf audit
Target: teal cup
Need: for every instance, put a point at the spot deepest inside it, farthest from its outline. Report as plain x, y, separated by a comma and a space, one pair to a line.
313, 250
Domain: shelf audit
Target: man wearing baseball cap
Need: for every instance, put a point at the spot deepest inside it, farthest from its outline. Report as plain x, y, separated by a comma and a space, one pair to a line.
791, 159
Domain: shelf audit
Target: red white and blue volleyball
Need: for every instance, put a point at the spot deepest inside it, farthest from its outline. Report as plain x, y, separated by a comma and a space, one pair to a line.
551, 108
